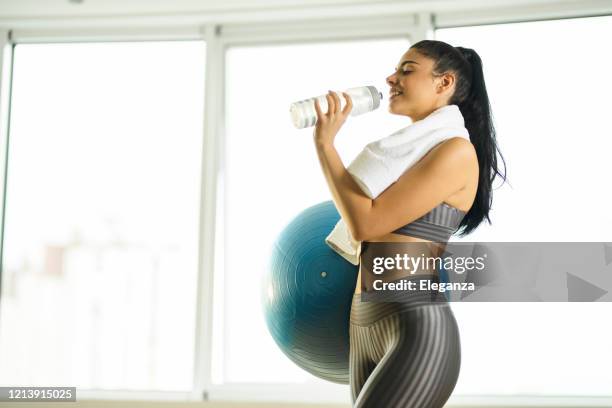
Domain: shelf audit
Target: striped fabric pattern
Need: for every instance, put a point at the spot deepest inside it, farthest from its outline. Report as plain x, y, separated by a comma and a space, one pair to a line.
405, 360
437, 225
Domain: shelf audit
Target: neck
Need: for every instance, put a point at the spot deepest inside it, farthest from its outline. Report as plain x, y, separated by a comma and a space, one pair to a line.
423, 114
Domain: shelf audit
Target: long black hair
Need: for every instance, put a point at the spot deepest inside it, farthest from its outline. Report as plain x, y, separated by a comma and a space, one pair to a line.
471, 97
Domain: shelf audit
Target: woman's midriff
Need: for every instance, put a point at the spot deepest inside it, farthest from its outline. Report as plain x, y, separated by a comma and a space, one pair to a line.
433, 250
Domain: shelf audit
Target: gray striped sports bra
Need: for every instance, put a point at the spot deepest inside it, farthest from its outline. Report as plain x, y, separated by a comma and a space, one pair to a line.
437, 225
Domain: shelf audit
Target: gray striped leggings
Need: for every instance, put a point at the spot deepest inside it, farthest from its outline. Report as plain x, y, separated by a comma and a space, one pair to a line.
402, 354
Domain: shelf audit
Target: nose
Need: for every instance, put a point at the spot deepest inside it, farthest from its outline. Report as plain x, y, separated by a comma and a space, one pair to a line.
391, 79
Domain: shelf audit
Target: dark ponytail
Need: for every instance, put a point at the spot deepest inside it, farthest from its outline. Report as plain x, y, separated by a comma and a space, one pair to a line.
471, 97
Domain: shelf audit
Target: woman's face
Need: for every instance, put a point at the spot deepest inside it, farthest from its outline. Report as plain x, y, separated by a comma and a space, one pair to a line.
421, 92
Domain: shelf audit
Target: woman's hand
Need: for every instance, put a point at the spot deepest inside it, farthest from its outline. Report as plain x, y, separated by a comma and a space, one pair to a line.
328, 124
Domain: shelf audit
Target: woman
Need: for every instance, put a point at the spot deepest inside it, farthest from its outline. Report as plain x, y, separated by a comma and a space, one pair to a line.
408, 354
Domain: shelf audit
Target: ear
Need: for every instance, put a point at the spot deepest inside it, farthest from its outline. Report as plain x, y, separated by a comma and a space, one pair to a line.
445, 82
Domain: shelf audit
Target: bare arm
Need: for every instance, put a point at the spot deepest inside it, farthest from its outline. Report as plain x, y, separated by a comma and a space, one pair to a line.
425, 185
352, 203
440, 174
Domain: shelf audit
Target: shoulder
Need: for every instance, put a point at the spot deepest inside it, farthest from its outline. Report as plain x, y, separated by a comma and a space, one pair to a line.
458, 145
455, 151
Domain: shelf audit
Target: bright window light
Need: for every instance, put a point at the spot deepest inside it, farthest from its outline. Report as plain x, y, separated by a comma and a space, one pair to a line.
102, 209
271, 173
551, 111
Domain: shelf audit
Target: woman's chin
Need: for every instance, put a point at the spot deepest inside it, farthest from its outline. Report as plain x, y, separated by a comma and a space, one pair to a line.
393, 108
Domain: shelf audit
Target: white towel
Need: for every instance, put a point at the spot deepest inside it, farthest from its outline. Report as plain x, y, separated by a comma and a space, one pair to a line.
382, 162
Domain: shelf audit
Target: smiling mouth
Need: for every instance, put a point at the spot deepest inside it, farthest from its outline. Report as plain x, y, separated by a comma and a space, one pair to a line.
395, 93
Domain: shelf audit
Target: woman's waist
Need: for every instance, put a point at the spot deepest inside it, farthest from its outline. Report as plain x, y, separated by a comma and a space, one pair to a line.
385, 262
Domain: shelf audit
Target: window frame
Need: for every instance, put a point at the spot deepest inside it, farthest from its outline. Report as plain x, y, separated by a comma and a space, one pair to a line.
219, 33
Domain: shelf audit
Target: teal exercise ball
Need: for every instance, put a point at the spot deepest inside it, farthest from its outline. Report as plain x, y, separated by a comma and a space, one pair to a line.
307, 292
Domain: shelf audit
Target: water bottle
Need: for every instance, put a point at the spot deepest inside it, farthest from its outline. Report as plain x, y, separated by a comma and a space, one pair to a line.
365, 99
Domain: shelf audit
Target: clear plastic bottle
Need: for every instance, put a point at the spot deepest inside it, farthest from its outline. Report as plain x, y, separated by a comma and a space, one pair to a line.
365, 99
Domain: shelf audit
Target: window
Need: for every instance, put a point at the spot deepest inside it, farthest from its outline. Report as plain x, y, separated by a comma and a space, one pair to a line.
102, 208
272, 173
551, 114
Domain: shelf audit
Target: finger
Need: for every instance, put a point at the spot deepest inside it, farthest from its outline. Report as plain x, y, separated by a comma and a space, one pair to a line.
349, 104
318, 108
330, 104
337, 102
